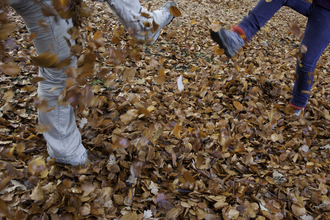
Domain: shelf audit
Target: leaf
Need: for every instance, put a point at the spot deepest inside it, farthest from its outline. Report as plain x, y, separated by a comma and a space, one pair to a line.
188, 177
6, 29
129, 73
153, 188
37, 79
180, 83
129, 115
148, 214
146, 15
296, 31
147, 24
41, 104
130, 216
9, 95
37, 166
297, 210
174, 213
10, 69
131, 179
85, 209
37, 193
46, 59
175, 12
303, 49
155, 27
238, 105
177, 130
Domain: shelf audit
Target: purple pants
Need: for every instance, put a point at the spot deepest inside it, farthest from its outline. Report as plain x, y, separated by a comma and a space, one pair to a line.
316, 38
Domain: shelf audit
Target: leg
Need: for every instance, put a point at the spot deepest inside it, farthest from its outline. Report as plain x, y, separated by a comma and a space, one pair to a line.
232, 41
128, 12
316, 39
264, 11
63, 139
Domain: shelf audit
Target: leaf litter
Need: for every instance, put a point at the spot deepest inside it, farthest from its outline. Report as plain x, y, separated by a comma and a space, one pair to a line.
227, 146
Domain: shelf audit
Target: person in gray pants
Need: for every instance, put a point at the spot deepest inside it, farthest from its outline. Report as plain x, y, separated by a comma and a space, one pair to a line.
64, 139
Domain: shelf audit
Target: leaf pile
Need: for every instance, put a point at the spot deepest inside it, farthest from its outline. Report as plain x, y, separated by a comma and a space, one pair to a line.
223, 145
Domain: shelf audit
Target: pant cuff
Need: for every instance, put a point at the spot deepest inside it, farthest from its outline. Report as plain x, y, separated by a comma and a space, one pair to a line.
240, 32
295, 107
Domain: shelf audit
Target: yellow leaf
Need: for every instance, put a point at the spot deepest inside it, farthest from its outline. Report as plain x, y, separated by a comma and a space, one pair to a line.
177, 130
193, 22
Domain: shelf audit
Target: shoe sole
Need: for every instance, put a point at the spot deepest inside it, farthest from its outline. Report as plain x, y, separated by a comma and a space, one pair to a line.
216, 38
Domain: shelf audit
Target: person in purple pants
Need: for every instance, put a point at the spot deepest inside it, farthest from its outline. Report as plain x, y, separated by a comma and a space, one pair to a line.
316, 39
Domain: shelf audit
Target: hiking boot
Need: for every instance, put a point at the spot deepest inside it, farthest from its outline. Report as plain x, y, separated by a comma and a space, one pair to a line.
230, 41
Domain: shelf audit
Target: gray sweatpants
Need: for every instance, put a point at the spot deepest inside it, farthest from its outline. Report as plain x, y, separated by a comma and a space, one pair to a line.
63, 139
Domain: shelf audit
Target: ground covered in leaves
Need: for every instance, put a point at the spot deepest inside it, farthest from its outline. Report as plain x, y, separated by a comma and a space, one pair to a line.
226, 147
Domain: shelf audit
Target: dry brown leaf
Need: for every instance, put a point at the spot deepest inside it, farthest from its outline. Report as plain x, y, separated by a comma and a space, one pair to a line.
175, 12
177, 130
46, 59
238, 105
10, 69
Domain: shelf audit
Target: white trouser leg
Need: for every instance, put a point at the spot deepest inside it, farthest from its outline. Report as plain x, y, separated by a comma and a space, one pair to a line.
63, 139
128, 12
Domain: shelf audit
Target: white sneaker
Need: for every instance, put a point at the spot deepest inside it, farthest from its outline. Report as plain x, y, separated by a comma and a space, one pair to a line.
129, 13
162, 17
75, 162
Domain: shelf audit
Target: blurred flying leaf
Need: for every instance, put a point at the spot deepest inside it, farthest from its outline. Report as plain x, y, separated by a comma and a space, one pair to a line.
155, 27
303, 49
10, 69
175, 12
6, 29
296, 31
33, 35
146, 15
38, 166
44, 25
147, 24
46, 59
42, 128
41, 104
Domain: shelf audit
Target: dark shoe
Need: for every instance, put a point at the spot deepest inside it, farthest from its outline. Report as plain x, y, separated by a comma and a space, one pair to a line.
230, 41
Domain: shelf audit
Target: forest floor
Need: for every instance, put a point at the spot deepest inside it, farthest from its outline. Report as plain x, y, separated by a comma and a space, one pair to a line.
226, 147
